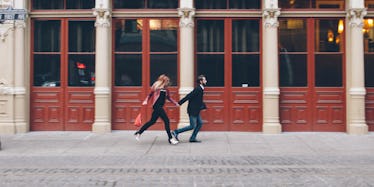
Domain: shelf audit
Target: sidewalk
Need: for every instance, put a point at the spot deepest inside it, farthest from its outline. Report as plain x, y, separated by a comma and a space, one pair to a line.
222, 159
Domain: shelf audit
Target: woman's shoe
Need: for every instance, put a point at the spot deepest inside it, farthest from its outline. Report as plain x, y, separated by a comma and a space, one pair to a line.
137, 136
172, 141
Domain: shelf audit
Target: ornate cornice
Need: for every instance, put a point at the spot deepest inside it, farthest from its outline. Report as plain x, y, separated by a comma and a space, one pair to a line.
186, 19
270, 17
102, 17
356, 16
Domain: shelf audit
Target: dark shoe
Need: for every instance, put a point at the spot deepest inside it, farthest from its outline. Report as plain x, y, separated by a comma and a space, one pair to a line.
195, 141
175, 135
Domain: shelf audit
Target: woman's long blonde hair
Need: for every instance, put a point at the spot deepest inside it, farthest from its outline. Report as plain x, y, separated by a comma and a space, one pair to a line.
162, 82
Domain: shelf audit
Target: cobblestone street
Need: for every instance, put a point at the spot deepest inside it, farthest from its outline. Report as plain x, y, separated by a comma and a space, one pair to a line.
85, 159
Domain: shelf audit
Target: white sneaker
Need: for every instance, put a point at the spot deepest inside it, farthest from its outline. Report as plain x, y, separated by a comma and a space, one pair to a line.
173, 141
137, 137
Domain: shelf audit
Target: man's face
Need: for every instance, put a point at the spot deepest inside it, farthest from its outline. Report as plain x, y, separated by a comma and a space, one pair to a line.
203, 81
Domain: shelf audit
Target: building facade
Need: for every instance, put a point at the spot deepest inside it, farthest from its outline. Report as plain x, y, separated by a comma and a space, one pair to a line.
271, 65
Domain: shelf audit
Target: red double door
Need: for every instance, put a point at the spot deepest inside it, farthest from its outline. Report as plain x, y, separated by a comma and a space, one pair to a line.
312, 78
62, 74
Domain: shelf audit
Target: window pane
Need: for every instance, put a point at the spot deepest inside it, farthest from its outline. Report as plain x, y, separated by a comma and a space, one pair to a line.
128, 35
292, 35
128, 70
163, 35
210, 35
320, 4
47, 70
245, 36
129, 4
47, 36
80, 4
294, 4
164, 64
245, 4
47, 4
328, 71
292, 70
163, 4
81, 36
81, 70
212, 66
369, 70
210, 4
368, 30
329, 37
245, 71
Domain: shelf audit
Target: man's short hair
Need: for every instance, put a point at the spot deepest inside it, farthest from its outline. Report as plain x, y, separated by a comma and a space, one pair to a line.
200, 78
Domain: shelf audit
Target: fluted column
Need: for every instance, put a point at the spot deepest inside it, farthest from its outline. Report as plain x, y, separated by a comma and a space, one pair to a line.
356, 85
103, 71
271, 91
187, 78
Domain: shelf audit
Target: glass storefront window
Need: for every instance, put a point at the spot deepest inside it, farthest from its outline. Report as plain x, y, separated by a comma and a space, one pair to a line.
292, 53
228, 4
311, 4
46, 70
128, 34
81, 63
164, 64
210, 48
62, 4
47, 36
245, 53
142, 4
163, 35
368, 31
128, 70
329, 37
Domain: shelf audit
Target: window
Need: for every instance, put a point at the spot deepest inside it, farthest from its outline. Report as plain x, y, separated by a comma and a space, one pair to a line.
62, 4
228, 4
47, 53
245, 53
144, 4
210, 50
328, 58
81, 64
311, 4
292, 53
368, 31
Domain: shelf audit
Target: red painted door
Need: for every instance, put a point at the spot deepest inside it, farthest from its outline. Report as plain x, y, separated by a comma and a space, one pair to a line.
143, 49
311, 72
63, 74
228, 53
370, 108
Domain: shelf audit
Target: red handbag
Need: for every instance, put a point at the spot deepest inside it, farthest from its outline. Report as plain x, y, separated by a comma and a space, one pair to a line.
138, 120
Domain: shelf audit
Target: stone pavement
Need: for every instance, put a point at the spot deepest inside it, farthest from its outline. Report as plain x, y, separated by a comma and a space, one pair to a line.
222, 159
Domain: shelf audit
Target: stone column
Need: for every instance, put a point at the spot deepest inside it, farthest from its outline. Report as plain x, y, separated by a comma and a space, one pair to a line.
356, 85
103, 70
270, 68
20, 102
7, 78
187, 77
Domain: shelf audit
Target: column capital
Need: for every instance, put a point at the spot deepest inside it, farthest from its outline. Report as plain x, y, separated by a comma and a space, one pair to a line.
356, 16
102, 17
186, 20
4, 31
270, 16
20, 24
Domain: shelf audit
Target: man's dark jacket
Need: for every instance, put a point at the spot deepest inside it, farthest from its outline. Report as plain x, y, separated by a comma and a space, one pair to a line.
195, 101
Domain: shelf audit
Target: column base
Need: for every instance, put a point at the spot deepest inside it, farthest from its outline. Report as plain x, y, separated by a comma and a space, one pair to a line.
271, 128
22, 127
7, 128
101, 127
357, 129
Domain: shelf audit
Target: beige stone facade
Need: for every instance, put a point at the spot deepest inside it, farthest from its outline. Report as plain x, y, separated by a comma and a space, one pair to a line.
15, 68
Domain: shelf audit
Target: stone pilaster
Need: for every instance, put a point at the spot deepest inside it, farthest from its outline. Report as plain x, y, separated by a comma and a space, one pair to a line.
187, 78
20, 101
271, 124
103, 81
356, 88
